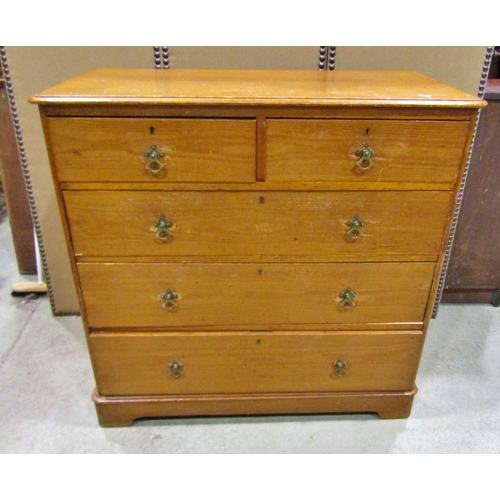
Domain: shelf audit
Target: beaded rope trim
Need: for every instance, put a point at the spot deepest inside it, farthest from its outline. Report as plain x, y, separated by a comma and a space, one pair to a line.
442, 278
161, 57
324, 54
27, 178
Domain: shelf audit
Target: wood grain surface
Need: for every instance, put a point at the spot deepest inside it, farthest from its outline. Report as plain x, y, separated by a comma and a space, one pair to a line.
119, 411
237, 362
325, 150
162, 185
262, 295
236, 87
113, 149
396, 225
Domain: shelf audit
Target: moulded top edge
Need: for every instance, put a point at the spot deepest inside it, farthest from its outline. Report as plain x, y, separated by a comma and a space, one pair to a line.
268, 87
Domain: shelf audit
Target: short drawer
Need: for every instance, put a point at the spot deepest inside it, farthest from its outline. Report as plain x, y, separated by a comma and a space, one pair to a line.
342, 226
396, 150
254, 295
218, 363
187, 150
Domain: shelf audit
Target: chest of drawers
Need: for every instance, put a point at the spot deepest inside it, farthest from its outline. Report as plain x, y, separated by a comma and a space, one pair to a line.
255, 242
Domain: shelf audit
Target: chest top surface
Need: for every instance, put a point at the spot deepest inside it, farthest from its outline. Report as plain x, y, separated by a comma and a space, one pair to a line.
328, 88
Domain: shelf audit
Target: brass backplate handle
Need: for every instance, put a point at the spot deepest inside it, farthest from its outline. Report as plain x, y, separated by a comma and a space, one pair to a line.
176, 368
155, 166
339, 367
355, 226
163, 227
347, 297
365, 161
169, 299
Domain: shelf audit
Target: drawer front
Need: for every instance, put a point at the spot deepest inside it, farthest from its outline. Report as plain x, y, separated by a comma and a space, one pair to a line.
325, 225
144, 363
114, 149
255, 295
329, 150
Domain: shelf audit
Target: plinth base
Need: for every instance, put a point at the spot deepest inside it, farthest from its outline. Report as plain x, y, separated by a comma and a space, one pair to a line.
122, 411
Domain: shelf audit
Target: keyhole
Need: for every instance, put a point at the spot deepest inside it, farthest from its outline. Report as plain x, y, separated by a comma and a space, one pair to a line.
152, 130
367, 131
260, 272
262, 200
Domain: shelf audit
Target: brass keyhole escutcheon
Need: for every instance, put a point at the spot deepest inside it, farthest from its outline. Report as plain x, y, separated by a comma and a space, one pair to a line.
163, 227
169, 299
339, 368
365, 161
355, 226
155, 166
347, 297
176, 369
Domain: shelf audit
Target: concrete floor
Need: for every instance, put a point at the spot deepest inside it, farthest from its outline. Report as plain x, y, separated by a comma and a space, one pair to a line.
46, 382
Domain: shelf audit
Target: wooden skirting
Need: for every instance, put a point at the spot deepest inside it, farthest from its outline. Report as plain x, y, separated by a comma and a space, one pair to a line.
122, 411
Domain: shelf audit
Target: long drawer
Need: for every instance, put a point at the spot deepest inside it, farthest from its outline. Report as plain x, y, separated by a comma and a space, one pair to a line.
242, 362
399, 151
345, 226
253, 295
114, 149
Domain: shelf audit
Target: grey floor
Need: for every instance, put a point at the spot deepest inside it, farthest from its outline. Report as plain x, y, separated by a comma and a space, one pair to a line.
46, 382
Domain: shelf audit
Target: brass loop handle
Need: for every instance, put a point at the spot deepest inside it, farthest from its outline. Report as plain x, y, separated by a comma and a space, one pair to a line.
355, 232
347, 297
163, 227
155, 166
176, 369
365, 154
339, 367
169, 298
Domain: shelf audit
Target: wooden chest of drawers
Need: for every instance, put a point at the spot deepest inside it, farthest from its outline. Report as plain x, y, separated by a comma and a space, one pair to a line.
251, 242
